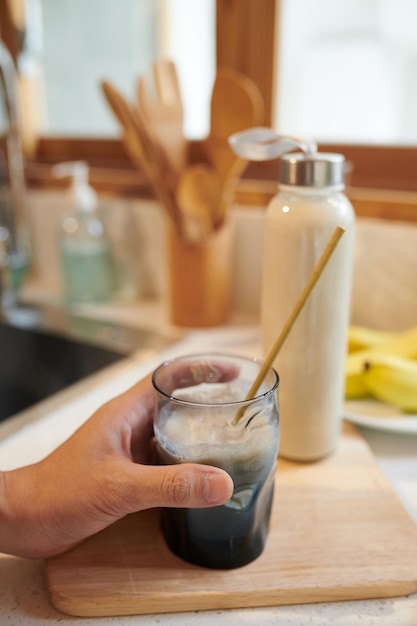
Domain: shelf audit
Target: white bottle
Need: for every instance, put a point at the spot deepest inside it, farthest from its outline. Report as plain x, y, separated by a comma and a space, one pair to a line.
298, 224
85, 253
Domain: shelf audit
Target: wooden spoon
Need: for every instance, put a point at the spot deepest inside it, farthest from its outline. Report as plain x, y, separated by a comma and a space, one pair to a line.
236, 104
198, 195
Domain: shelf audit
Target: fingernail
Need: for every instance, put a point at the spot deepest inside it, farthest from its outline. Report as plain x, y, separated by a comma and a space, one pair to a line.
218, 488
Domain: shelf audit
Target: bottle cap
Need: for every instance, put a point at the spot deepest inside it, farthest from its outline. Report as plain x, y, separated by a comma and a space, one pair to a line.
263, 144
323, 169
308, 168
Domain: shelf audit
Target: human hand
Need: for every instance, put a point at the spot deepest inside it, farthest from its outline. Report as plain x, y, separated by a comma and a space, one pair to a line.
100, 474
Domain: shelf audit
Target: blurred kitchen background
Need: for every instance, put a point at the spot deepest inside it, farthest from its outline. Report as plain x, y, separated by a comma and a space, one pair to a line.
341, 71
345, 69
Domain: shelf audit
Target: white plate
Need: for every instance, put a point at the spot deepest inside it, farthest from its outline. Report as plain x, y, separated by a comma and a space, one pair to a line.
373, 414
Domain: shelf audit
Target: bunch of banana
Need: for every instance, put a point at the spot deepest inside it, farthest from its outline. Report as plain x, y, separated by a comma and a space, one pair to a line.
361, 337
393, 379
365, 347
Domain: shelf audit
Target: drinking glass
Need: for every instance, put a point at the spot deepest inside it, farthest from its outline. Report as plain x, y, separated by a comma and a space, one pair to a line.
199, 398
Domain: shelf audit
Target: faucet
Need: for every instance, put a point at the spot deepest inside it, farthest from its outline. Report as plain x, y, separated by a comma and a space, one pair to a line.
14, 240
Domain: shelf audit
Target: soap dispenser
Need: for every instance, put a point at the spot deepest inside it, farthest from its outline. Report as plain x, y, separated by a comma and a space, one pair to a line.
84, 248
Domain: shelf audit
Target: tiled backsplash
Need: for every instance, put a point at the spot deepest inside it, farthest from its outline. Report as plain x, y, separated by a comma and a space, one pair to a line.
385, 274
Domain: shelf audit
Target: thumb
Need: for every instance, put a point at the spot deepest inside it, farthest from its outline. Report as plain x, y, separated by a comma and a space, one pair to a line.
185, 485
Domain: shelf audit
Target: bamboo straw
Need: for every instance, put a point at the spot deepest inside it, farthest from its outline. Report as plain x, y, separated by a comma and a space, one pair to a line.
314, 276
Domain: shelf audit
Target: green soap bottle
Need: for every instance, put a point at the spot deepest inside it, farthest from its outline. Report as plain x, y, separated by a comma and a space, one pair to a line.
85, 251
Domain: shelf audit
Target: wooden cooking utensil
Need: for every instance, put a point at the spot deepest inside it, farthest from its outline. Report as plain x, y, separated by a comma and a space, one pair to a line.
236, 104
159, 98
198, 194
143, 152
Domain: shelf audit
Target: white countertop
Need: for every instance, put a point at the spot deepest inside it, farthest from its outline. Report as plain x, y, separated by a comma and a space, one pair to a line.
23, 598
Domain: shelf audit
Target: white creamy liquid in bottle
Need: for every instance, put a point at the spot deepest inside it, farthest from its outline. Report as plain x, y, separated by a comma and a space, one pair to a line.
298, 224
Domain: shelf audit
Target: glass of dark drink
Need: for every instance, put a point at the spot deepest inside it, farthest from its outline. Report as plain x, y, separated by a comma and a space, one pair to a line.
198, 399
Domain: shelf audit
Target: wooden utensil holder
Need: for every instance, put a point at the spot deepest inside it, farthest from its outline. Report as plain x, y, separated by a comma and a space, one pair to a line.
200, 279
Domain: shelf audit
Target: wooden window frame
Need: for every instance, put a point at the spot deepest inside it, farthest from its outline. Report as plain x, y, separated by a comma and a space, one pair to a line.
382, 180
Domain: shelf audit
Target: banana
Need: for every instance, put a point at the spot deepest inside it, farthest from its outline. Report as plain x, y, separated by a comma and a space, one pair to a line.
392, 379
355, 387
354, 384
402, 344
361, 337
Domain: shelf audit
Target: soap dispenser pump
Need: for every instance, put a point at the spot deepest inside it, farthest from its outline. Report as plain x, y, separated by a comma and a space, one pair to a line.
83, 244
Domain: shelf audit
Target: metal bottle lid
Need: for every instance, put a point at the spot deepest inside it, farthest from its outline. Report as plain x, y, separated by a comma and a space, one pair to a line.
323, 169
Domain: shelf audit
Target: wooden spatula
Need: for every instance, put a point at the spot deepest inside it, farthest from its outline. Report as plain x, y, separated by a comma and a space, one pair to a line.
159, 98
143, 152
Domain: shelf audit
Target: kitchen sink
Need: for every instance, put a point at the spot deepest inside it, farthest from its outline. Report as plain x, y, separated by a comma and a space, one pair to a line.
45, 351
34, 365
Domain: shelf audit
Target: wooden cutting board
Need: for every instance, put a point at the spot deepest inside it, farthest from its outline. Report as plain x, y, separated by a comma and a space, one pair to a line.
338, 532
